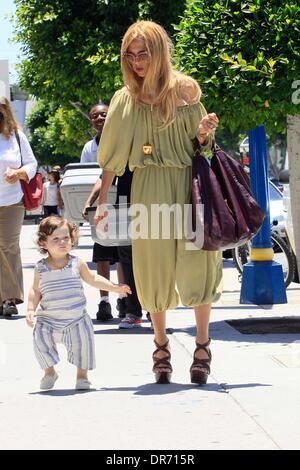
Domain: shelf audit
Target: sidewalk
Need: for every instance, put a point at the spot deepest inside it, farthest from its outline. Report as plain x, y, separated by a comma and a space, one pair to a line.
251, 400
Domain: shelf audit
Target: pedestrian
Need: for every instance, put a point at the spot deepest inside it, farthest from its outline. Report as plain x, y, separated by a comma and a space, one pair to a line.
150, 125
60, 208
51, 200
97, 115
62, 315
11, 207
129, 308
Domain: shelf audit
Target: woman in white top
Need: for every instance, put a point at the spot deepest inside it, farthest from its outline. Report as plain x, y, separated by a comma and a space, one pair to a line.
11, 207
51, 194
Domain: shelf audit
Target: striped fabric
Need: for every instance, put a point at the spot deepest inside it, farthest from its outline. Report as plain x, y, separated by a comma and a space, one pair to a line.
78, 339
62, 292
62, 317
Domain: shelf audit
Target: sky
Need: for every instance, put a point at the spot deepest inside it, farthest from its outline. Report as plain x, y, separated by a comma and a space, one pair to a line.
8, 51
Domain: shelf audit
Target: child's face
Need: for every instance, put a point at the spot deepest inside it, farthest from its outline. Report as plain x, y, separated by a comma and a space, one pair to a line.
59, 243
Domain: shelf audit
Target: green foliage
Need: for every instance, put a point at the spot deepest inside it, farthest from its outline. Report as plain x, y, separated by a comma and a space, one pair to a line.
164, 12
72, 46
246, 57
57, 135
72, 54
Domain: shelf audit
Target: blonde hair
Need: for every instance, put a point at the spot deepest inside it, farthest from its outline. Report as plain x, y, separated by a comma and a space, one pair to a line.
47, 227
165, 85
8, 123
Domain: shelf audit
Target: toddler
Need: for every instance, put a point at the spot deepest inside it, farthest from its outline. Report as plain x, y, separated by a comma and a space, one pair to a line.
62, 316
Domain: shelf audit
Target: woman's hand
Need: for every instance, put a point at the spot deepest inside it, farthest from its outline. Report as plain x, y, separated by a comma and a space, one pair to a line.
208, 124
12, 176
101, 213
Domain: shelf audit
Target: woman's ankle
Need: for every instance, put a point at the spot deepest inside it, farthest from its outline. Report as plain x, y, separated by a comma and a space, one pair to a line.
202, 338
161, 340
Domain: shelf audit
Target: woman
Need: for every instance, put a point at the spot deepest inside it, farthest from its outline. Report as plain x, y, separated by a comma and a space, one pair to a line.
151, 124
52, 201
11, 207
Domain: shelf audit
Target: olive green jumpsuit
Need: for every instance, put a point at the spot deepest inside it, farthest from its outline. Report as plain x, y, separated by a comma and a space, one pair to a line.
163, 177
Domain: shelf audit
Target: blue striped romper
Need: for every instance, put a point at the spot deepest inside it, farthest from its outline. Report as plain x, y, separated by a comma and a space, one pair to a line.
62, 317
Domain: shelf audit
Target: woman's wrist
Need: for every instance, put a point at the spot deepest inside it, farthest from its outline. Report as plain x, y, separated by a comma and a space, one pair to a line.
101, 200
22, 175
202, 137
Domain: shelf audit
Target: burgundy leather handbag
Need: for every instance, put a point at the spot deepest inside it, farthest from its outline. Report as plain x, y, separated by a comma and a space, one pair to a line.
33, 190
231, 215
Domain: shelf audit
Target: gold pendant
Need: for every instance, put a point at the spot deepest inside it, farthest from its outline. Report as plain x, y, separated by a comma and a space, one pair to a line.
147, 149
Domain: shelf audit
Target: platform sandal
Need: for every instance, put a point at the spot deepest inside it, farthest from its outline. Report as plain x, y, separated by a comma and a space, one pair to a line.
162, 367
200, 369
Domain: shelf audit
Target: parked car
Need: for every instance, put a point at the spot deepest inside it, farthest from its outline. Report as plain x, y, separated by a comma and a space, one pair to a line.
277, 218
287, 211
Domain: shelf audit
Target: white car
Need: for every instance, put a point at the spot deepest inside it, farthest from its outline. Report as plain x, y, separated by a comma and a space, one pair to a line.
278, 223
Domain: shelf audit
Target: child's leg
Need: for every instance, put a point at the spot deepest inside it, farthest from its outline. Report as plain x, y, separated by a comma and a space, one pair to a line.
82, 373
79, 341
49, 371
45, 347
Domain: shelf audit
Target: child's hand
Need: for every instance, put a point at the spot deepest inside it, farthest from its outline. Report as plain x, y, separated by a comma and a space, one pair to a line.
30, 318
123, 289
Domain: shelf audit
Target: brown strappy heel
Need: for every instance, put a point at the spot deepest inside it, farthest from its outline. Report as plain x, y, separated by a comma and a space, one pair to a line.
162, 367
200, 369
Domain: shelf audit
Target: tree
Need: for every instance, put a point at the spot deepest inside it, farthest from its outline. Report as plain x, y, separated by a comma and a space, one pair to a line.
246, 56
72, 46
71, 50
52, 138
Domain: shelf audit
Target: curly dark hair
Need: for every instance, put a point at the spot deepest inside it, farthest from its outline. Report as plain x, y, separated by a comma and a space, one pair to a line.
51, 223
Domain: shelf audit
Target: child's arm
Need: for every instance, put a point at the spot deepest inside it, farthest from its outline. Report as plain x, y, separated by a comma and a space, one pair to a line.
34, 298
99, 281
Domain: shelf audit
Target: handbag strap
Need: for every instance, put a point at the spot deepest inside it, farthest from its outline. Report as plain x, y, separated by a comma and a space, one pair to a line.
197, 146
19, 144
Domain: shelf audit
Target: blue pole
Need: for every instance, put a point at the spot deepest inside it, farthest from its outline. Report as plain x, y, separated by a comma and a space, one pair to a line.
260, 183
263, 280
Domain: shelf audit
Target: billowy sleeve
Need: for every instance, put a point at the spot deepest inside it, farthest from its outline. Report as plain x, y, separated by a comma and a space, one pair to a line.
28, 158
117, 135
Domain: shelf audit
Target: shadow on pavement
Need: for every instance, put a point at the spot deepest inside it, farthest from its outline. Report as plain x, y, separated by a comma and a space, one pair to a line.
28, 265
63, 392
156, 389
226, 387
222, 331
12, 318
129, 331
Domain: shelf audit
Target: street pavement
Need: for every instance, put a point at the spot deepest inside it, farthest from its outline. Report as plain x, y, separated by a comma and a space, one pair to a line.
250, 402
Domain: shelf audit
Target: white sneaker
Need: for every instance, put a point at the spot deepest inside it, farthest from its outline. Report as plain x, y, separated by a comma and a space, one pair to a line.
130, 321
48, 381
83, 384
